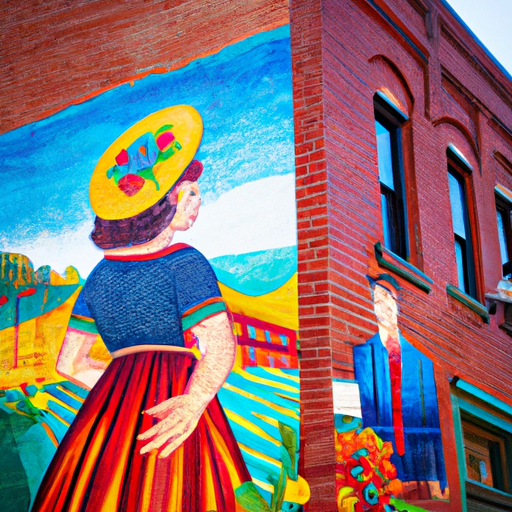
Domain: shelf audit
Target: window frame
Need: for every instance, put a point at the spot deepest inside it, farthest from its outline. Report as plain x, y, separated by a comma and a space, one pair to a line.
501, 473
462, 172
487, 412
504, 206
407, 227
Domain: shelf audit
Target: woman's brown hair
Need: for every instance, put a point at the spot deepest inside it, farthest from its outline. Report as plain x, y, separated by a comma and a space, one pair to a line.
141, 228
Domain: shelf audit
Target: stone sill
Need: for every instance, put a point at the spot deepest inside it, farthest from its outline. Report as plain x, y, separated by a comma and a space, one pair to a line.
468, 301
402, 268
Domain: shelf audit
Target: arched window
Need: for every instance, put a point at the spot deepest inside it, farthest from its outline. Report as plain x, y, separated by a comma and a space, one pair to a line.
459, 171
388, 122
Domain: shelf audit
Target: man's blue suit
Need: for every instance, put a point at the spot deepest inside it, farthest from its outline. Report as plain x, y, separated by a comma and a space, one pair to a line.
423, 458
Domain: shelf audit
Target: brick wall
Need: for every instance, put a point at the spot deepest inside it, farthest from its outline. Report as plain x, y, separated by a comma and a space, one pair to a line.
343, 53
317, 323
53, 54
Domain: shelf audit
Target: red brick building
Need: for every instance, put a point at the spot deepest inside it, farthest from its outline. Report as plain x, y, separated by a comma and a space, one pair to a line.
447, 105
454, 96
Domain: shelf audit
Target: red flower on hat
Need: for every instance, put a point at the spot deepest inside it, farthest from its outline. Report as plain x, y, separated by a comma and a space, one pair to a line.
130, 184
122, 158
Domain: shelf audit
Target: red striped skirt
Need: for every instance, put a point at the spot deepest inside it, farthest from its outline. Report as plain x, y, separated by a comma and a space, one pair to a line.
98, 467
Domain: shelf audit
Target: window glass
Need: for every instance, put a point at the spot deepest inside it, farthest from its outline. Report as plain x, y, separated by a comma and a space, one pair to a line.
388, 242
502, 236
461, 232
384, 154
393, 208
457, 201
485, 451
459, 256
478, 457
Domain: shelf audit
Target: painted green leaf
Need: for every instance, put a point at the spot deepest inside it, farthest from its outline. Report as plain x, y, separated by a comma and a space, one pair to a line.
287, 462
249, 497
279, 489
148, 174
164, 128
289, 437
117, 174
27, 407
402, 506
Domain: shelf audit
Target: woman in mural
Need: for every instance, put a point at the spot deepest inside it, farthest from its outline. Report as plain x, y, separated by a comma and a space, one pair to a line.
151, 436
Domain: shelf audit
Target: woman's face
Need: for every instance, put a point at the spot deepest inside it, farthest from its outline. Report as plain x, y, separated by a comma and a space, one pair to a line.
187, 198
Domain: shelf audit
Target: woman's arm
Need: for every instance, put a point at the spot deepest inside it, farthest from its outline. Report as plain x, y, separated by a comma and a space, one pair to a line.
74, 362
179, 415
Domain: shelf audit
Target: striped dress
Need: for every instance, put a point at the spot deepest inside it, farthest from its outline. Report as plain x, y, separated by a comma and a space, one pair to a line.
145, 300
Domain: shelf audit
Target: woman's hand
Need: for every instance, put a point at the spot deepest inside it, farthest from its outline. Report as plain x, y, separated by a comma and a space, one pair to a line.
178, 419
179, 415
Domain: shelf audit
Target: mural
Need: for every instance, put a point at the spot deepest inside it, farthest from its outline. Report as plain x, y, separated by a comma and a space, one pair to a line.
156, 368
393, 449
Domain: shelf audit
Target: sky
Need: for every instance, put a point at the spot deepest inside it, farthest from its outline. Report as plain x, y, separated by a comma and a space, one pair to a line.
240, 92
491, 22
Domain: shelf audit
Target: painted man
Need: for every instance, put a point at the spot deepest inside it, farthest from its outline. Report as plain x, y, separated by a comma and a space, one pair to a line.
398, 392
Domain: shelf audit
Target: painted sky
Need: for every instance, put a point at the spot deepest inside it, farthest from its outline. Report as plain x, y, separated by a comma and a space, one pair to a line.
244, 94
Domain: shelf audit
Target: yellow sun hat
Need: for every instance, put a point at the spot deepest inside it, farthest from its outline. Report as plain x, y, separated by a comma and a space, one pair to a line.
145, 162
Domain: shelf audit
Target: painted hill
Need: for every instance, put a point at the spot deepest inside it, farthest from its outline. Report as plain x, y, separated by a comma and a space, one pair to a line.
35, 307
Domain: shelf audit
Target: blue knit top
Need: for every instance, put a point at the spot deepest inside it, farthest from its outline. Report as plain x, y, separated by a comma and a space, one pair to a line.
151, 299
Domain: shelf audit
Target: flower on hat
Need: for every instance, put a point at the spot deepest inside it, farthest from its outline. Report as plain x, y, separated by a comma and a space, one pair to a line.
135, 165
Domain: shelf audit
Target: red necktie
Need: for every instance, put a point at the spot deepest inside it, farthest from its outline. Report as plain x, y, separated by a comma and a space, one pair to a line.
395, 373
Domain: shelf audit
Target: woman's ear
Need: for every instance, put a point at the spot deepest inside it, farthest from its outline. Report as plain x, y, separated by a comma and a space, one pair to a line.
180, 195
187, 199
181, 190
173, 196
